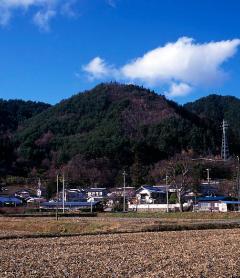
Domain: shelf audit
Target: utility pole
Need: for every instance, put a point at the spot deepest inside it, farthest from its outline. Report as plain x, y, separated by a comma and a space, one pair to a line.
63, 195
167, 192
208, 180
91, 204
225, 149
208, 175
39, 192
238, 184
57, 200
124, 191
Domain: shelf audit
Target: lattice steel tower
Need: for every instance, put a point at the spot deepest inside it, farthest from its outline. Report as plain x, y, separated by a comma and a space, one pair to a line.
225, 149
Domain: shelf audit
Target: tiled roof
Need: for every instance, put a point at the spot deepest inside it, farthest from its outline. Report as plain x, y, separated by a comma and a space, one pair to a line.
5, 199
157, 189
212, 198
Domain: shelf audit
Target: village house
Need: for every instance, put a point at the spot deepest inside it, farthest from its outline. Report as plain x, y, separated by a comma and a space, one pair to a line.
74, 195
216, 204
117, 194
9, 201
71, 206
154, 198
97, 194
147, 194
24, 194
209, 188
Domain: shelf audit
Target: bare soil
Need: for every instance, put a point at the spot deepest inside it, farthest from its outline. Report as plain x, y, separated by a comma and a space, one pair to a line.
209, 253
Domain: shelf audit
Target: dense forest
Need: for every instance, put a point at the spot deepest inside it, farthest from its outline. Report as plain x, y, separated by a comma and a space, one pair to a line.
94, 135
12, 115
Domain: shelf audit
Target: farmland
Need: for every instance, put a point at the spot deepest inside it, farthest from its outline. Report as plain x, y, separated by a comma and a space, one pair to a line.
115, 223
206, 253
11, 227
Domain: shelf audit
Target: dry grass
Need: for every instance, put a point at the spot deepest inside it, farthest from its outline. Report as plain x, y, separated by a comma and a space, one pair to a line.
13, 226
177, 215
208, 254
32, 226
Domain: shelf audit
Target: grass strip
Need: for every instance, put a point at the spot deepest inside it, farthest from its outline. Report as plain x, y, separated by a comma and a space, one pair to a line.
153, 228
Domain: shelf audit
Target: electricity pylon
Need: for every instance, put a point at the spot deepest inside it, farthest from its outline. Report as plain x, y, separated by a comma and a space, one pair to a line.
225, 149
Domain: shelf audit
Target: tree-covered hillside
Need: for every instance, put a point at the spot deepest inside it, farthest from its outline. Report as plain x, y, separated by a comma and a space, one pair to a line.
13, 113
215, 108
96, 134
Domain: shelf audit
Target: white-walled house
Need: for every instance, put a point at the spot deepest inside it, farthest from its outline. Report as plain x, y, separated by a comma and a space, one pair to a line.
157, 207
217, 203
154, 198
148, 194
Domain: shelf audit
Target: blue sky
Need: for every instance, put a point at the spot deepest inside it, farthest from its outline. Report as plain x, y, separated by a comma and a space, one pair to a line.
52, 49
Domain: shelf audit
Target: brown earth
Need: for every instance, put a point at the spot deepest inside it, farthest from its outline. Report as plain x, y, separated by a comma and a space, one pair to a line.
208, 254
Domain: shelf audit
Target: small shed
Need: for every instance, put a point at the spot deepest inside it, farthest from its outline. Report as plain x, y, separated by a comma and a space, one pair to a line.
229, 206
213, 203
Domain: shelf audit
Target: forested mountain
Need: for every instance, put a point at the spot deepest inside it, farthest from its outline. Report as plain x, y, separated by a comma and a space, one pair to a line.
12, 114
215, 108
15, 112
94, 135
107, 129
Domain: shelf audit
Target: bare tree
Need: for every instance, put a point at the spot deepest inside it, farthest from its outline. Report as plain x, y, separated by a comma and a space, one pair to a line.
179, 172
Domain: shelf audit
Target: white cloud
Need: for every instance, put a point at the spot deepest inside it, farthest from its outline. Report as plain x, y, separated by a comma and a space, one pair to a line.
45, 10
178, 90
42, 18
184, 61
181, 65
11, 5
97, 69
